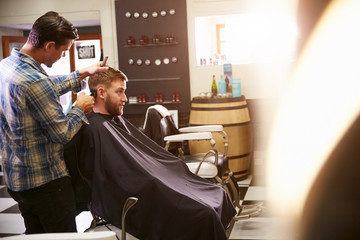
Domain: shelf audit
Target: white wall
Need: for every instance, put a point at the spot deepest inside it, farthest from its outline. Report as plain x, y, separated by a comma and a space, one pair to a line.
26, 12
258, 80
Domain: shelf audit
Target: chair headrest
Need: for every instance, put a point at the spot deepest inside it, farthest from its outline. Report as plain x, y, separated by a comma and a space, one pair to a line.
160, 109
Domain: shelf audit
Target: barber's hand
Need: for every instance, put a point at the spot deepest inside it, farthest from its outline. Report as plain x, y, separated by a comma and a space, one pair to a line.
86, 103
87, 71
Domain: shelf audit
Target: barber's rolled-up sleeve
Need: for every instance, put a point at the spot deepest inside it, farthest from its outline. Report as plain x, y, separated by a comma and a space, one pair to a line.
71, 82
42, 101
78, 111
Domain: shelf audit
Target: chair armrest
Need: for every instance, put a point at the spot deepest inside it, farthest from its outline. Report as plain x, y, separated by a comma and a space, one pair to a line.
203, 128
197, 136
209, 128
188, 136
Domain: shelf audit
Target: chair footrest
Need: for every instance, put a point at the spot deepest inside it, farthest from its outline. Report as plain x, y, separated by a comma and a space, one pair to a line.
247, 216
248, 211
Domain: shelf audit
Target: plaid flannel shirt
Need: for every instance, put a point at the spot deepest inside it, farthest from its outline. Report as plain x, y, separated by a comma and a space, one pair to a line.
33, 127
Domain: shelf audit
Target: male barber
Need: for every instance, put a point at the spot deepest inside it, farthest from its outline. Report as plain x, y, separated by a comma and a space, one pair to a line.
33, 127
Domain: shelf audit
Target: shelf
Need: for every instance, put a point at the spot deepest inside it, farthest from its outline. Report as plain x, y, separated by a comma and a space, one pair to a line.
153, 103
153, 79
150, 45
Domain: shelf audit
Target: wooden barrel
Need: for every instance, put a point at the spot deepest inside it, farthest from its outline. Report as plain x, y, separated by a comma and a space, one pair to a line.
233, 114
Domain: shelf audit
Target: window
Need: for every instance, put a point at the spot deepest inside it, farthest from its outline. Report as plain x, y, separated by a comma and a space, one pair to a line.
220, 37
245, 38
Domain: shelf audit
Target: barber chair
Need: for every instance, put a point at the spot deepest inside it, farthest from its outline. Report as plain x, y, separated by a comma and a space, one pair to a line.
212, 165
99, 224
99, 230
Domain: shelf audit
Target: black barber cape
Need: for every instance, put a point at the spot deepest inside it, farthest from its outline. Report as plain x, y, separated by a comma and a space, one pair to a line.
118, 161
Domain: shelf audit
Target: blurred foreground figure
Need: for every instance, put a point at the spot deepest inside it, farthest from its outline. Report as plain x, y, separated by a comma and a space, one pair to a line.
317, 129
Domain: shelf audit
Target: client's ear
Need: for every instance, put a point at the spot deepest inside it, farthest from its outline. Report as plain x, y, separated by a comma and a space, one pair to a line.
100, 92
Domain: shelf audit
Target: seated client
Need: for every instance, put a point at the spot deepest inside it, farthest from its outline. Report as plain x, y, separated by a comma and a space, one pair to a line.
116, 161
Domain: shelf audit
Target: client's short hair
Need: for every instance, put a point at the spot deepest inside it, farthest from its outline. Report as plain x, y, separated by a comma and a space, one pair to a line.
105, 77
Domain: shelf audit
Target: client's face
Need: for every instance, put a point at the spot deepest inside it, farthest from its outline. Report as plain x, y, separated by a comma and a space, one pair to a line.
115, 98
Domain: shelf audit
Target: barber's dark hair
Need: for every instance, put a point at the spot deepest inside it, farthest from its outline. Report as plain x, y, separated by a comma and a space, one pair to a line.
51, 27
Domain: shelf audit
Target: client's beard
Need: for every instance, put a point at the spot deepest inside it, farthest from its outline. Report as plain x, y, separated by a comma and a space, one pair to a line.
113, 108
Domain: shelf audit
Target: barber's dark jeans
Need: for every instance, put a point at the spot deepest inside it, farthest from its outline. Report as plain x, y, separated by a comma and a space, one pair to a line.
49, 208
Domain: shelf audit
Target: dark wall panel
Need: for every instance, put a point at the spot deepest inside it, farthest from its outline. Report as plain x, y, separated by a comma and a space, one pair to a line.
152, 79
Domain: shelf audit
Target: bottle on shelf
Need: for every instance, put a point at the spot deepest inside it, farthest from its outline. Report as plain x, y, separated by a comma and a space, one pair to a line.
227, 84
214, 88
236, 87
222, 85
